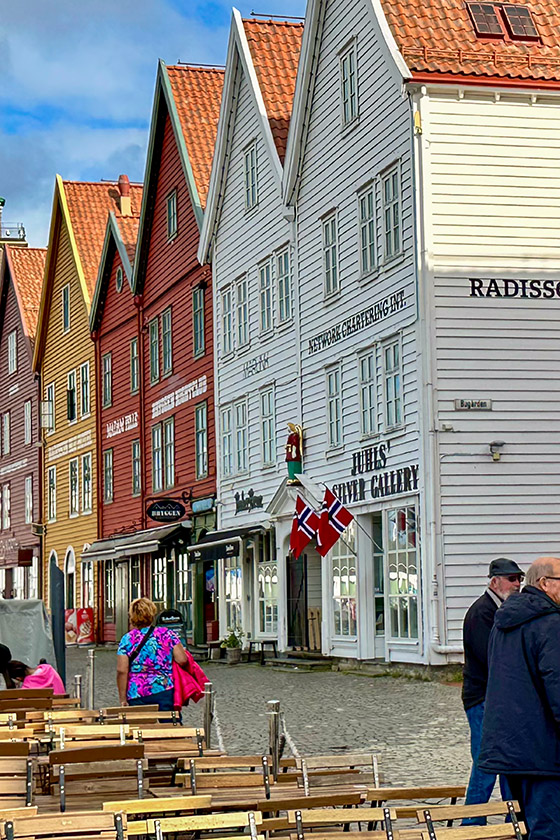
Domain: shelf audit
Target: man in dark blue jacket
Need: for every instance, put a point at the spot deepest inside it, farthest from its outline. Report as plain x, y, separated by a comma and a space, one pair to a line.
521, 728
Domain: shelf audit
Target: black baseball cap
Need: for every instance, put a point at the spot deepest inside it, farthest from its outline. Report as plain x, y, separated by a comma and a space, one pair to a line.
502, 566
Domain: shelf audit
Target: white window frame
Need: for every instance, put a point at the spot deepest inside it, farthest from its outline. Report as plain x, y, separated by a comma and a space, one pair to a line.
50, 398
201, 439
367, 384
226, 301
166, 343
86, 465
345, 585
169, 453
6, 506
157, 458
393, 391
367, 230
66, 308
51, 494
242, 311
349, 105
28, 422
108, 476
284, 285
74, 488
266, 317
199, 337
72, 385
28, 499
226, 439
251, 176
134, 365
268, 426
12, 352
171, 214
331, 273
399, 590
85, 390
391, 207
6, 433
241, 436
335, 435
153, 341
136, 467
87, 583
107, 380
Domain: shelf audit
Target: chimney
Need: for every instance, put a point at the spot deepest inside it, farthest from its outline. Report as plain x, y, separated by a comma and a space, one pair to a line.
124, 189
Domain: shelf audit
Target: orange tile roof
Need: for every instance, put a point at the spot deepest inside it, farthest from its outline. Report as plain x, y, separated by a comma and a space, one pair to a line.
439, 36
197, 92
275, 47
128, 226
89, 204
28, 268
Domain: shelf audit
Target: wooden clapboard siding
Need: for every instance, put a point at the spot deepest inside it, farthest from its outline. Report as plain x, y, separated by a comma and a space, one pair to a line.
172, 271
492, 187
337, 164
62, 353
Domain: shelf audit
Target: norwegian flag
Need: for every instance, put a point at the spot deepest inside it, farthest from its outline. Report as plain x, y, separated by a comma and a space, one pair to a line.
304, 527
334, 519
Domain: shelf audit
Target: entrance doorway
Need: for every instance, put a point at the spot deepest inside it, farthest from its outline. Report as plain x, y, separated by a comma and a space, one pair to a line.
121, 599
298, 636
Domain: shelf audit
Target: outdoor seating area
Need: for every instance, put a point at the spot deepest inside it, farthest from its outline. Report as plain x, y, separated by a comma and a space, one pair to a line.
116, 772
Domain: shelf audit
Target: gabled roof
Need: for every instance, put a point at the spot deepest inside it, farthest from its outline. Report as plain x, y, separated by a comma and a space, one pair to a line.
191, 96
83, 206
439, 36
267, 53
120, 236
27, 267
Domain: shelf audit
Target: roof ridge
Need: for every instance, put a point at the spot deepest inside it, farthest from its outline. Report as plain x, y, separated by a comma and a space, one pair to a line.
100, 183
219, 68
282, 22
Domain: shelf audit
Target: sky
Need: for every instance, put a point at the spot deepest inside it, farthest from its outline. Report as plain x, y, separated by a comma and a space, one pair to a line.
77, 88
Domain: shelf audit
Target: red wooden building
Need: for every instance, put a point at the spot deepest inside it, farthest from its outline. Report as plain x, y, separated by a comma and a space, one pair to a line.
21, 277
172, 299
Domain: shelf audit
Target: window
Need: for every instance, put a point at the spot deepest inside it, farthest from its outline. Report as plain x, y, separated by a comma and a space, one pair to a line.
343, 560
84, 390
172, 214
185, 591
134, 366
27, 422
393, 383
87, 583
159, 582
242, 306
70, 580
391, 213
330, 258
51, 494
198, 321
136, 468
485, 19
166, 342
334, 407
349, 86
48, 418
154, 350
241, 433
367, 231
107, 383
74, 488
520, 23
119, 279
232, 589
201, 439
169, 452
268, 431
267, 584
367, 394
6, 434
251, 192
6, 506
28, 499
227, 325
109, 590
227, 440
71, 402
157, 459
284, 286
265, 296
12, 352
402, 547
108, 476
66, 308
135, 584
86, 483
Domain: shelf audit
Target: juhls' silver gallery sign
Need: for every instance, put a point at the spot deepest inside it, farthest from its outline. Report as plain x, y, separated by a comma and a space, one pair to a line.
473, 405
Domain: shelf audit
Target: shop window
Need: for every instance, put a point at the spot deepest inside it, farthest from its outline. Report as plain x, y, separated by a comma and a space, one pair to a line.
87, 583
109, 591
267, 584
185, 591
402, 546
70, 580
135, 582
159, 582
343, 563
232, 590
378, 574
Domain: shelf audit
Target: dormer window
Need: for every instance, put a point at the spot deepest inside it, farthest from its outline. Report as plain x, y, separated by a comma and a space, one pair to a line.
503, 20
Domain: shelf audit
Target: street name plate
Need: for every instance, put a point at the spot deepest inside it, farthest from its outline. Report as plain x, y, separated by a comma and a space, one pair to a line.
473, 405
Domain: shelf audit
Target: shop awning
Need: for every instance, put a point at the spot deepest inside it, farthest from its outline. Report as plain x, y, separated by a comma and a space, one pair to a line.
219, 544
140, 542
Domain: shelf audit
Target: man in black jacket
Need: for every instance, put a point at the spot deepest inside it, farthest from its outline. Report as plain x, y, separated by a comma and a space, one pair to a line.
521, 729
505, 578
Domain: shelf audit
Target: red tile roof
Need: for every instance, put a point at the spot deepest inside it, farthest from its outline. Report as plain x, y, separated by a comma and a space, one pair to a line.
197, 92
275, 47
89, 204
28, 268
128, 226
439, 36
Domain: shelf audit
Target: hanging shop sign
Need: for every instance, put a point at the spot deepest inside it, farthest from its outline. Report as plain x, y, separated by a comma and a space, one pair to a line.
247, 502
203, 505
360, 321
165, 510
217, 552
385, 482
531, 289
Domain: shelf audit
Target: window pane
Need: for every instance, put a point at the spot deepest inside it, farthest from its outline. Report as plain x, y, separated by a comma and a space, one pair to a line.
167, 353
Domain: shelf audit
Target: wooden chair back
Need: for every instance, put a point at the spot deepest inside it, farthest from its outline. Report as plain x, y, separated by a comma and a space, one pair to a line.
196, 823
88, 825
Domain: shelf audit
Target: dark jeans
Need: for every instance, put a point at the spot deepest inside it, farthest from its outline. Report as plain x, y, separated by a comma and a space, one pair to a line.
539, 798
163, 700
481, 784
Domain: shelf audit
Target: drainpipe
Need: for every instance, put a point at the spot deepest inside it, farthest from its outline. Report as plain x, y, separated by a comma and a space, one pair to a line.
138, 302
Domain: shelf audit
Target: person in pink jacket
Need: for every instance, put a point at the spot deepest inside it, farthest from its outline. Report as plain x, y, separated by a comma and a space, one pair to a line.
43, 676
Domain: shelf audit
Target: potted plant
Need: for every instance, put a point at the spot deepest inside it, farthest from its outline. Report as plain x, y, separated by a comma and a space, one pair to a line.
232, 644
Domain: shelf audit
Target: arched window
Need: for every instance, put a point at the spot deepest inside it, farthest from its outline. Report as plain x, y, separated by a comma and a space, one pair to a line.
70, 580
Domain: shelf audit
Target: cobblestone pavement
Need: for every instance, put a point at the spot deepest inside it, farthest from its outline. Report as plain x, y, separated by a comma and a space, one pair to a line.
418, 729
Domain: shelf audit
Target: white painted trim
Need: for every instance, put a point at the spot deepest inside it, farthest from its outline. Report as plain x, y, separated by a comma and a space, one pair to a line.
400, 63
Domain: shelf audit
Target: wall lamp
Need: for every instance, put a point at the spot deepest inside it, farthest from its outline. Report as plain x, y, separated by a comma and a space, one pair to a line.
495, 446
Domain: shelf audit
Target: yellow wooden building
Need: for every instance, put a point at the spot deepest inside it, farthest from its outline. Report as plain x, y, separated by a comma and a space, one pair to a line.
64, 358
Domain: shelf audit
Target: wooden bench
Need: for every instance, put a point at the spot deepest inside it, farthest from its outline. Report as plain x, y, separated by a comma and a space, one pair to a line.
16, 781
242, 821
262, 643
220, 778
165, 806
96, 825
